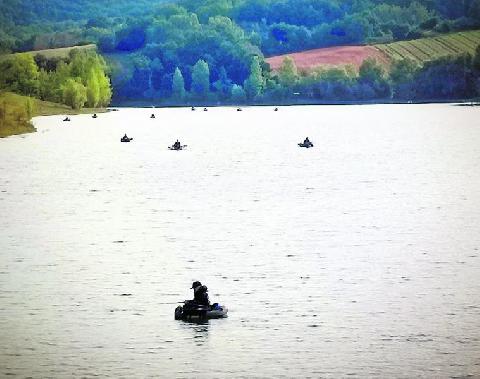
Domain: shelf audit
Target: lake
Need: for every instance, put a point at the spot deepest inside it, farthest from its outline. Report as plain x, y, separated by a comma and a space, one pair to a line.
359, 257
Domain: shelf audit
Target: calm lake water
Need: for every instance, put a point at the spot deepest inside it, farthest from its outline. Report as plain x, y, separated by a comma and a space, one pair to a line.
359, 257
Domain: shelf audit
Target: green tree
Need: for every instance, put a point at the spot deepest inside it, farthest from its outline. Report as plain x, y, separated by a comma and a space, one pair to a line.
255, 83
372, 77
43, 81
93, 90
288, 74
89, 69
402, 71
74, 94
370, 71
81, 62
201, 79
178, 85
223, 85
105, 89
238, 94
63, 72
50, 86
19, 74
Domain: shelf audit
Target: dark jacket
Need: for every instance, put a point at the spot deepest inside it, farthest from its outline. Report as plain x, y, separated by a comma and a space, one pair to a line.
200, 295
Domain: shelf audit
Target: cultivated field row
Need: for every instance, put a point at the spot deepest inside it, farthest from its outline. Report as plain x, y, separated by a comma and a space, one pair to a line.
428, 49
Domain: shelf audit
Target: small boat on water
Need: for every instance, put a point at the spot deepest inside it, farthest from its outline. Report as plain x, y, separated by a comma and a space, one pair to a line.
177, 148
306, 143
191, 311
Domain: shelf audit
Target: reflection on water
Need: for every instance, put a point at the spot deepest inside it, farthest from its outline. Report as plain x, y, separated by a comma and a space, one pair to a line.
198, 330
358, 257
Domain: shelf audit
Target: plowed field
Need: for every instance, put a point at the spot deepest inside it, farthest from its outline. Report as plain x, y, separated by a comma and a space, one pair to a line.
330, 56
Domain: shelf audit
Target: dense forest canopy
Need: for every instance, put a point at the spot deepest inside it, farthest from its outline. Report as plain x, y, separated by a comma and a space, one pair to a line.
25, 12
170, 49
278, 25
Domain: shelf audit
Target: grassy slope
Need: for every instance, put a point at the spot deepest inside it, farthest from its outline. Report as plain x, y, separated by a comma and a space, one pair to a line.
427, 49
63, 51
57, 53
16, 120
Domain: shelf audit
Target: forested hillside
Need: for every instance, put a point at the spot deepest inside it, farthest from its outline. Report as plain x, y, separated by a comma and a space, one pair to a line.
191, 51
32, 11
279, 25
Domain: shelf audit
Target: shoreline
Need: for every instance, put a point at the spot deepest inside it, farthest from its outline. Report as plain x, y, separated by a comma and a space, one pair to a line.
143, 104
17, 122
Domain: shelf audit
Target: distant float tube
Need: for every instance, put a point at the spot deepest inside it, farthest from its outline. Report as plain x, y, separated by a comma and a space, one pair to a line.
177, 148
306, 145
197, 312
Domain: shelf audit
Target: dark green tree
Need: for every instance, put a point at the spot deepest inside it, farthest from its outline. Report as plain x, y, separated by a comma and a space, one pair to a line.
402, 74
178, 85
201, 79
255, 83
223, 86
19, 73
238, 94
288, 74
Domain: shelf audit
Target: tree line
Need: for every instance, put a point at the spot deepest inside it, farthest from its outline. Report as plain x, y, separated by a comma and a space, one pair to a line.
231, 36
77, 81
405, 80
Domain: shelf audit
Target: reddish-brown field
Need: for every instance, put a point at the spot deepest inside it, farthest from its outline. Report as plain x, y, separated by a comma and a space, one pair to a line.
330, 56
